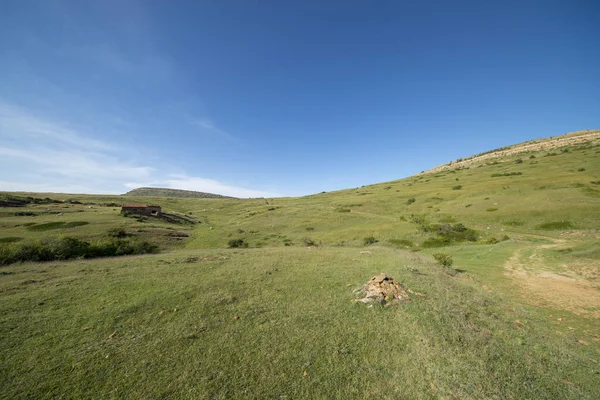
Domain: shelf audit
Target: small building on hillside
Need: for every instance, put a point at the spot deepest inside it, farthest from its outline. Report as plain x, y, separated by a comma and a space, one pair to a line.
141, 209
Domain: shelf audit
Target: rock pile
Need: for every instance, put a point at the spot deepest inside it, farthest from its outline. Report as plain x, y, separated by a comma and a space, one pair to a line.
385, 290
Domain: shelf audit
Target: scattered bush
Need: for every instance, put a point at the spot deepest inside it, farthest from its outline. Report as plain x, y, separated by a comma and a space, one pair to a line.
410, 201
555, 226
492, 240
117, 233
343, 210
10, 239
401, 242
514, 222
468, 205
56, 225
457, 187
66, 248
447, 233
235, 243
443, 259
308, 242
595, 182
531, 157
25, 214
506, 174
581, 169
518, 161
369, 240
310, 229
491, 209
504, 238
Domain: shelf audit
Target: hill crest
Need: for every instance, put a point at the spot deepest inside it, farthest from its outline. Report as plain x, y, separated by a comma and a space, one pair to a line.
164, 192
548, 143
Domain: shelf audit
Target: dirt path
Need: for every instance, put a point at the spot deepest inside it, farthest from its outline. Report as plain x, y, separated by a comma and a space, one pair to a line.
542, 287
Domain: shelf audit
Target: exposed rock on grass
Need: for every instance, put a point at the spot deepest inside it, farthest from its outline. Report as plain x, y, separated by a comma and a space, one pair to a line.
385, 290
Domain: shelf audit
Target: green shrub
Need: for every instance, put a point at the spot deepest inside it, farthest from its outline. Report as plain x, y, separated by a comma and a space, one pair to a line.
492, 240
491, 209
369, 240
235, 243
555, 226
513, 222
410, 201
308, 241
66, 248
505, 237
56, 225
116, 233
443, 259
401, 242
518, 161
506, 174
457, 187
10, 239
581, 169
531, 157
343, 210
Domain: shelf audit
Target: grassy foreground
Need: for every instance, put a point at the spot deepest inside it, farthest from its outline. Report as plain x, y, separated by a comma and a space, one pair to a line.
163, 326
520, 321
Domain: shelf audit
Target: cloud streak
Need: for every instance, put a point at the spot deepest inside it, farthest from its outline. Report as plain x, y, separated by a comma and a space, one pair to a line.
39, 154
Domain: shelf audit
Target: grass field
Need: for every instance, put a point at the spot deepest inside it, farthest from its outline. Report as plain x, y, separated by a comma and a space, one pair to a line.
516, 316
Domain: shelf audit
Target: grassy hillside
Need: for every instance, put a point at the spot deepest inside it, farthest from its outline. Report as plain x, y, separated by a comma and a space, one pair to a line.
161, 192
515, 316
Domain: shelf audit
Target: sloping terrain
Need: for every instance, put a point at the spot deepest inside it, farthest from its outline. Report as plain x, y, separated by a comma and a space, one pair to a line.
178, 193
258, 297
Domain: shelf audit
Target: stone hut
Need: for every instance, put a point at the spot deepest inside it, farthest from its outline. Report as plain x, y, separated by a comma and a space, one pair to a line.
141, 209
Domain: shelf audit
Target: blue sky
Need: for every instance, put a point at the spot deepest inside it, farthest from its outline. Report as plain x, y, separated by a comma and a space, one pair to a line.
280, 98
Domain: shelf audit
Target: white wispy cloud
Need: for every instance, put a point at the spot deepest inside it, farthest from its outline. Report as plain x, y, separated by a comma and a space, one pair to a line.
40, 155
212, 186
209, 127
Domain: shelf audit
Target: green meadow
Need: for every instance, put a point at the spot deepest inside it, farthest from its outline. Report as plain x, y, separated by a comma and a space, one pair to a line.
255, 298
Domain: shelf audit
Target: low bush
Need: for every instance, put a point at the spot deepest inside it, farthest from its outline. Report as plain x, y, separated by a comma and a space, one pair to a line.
369, 240
401, 242
505, 237
457, 187
66, 248
308, 241
117, 233
410, 201
492, 240
491, 209
444, 259
10, 239
518, 161
235, 243
343, 210
506, 174
555, 226
581, 169
513, 222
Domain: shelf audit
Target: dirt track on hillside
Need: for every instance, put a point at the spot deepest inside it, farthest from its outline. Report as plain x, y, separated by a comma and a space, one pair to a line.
541, 287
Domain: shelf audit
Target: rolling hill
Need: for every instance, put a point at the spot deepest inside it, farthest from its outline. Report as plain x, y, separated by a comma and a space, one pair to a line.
177, 193
257, 298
